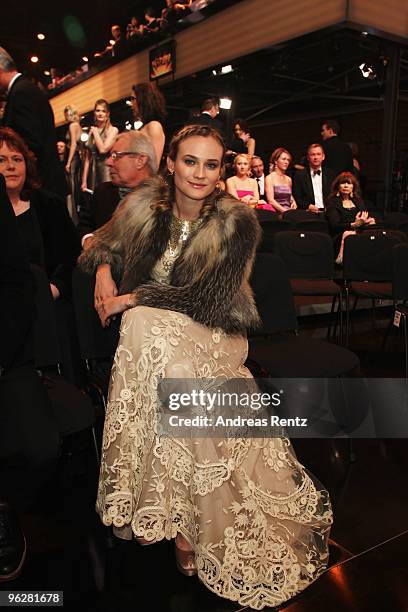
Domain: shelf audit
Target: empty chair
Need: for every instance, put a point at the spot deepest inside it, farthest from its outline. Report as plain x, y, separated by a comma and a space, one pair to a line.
271, 224
309, 259
367, 266
276, 347
306, 220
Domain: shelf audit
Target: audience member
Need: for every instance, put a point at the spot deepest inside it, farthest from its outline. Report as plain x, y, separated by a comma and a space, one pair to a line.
29, 440
48, 234
152, 25
29, 113
149, 107
278, 185
241, 186
346, 211
311, 186
74, 163
338, 156
131, 160
97, 147
210, 109
257, 169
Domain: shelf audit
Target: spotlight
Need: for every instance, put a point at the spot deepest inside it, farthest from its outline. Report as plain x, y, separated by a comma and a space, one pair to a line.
128, 102
225, 103
364, 33
137, 125
84, 137
85, 59
41, 36
112, 42
367, 71
214, 72
47, 72
34, 59
128, 125
226, 69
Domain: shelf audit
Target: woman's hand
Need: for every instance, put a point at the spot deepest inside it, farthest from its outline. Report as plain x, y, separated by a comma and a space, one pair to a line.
110, 307
68, 168
105, 286
84, 186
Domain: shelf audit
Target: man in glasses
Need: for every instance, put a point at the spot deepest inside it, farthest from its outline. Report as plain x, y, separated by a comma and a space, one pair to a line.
131, 160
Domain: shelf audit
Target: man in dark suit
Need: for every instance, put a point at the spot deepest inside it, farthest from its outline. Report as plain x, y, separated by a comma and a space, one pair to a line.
210, 109
339, 157
29, 440
311, 186
131, 160
257, 167
29, 113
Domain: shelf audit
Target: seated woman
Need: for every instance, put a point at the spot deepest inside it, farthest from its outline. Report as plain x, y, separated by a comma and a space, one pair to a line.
244, 513
278, 186
345, 211
241, 186
48, 234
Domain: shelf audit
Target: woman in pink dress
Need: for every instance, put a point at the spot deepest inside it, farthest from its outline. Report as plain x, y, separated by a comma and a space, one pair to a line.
241, 186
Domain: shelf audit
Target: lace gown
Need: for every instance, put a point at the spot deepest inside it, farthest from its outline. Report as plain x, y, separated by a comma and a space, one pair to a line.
256, 520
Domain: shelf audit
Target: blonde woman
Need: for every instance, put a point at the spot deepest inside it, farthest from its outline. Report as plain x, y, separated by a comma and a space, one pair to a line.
73, 165
278, 186
241, 186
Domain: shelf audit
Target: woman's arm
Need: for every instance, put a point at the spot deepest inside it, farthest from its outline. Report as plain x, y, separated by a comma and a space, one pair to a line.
293, 204
104, 146
270, 195
231, 188
155, 132
74, 130
251, 146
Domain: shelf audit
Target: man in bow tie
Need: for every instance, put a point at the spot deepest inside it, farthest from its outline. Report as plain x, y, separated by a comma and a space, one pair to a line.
311, 186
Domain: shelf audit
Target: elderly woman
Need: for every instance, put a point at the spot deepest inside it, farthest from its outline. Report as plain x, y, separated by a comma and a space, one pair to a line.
244, 514
47, 231
346, 211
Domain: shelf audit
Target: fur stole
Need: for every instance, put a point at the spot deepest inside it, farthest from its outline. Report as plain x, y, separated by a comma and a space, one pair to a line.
209, 281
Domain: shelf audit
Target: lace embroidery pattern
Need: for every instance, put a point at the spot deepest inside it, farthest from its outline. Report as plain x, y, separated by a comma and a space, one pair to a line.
258, 523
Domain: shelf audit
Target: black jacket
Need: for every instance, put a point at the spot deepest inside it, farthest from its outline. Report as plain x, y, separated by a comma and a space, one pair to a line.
29, 113
338, 156
16, 290
303, 187
100, 208
59, 238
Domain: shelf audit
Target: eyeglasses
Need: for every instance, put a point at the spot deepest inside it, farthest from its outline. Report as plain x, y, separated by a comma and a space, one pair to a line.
114, 155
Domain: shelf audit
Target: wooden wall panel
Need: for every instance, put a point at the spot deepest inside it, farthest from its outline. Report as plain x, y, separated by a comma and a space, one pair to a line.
244, 28
390, 16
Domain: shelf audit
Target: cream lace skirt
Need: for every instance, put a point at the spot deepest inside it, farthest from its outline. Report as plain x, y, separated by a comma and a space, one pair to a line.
257, 522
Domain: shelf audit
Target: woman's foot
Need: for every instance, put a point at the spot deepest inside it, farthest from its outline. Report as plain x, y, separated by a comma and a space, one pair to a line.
185, 557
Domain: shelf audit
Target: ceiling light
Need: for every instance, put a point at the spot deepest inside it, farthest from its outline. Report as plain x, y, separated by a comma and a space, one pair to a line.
34, 59
226, 69
367, 71
85, 59
137, 125
225, 103
112, 42
41, 36
128, 125
47, 72
214, 73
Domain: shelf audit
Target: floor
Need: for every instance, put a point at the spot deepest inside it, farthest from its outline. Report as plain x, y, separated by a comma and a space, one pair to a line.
69, 550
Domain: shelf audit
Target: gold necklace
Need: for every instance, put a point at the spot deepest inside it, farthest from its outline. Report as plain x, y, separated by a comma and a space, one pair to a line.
180, 230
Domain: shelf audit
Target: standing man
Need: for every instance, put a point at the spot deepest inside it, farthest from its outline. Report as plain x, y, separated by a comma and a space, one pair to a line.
210, 109
257, 167
311, 186
339, 157
29, 113
131, 160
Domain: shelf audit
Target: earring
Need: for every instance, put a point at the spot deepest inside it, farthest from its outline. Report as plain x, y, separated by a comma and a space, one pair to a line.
171, 172
337, 194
